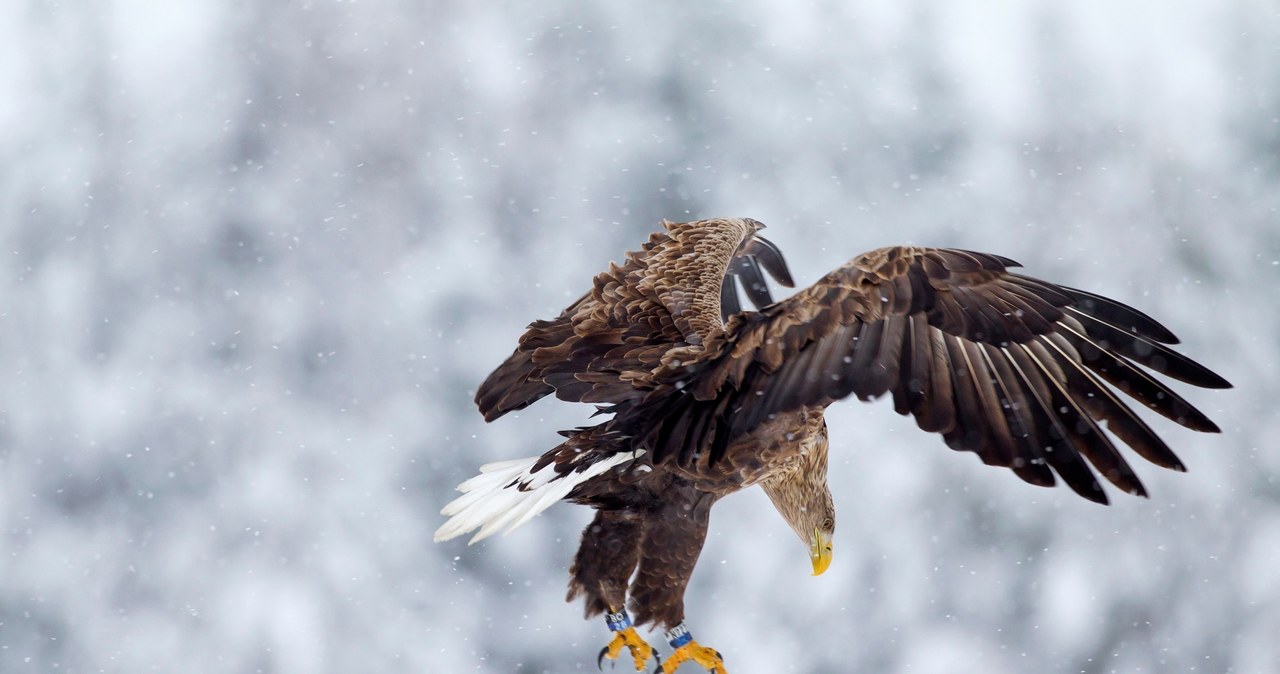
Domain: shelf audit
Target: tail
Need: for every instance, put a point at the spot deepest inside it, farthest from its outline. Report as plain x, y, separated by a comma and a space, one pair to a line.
507, 494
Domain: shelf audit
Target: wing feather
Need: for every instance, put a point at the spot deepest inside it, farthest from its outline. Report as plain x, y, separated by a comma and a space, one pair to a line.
969, 429
1113, 367
940, 413
1052, 433
1103, 405
1028, 463
1150, 353
915, 368
1082, 431
1115, 313
993, 407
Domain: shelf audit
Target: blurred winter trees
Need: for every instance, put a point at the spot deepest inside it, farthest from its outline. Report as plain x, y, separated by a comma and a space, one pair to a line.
256, 257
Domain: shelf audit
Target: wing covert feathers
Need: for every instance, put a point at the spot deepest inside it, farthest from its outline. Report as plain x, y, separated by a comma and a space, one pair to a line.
658, 307
1022, 372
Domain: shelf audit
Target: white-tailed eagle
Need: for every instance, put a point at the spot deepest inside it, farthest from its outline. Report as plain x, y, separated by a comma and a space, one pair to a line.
707, 399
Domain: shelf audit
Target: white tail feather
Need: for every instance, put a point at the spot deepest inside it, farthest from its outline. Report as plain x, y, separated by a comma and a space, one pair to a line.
506, 494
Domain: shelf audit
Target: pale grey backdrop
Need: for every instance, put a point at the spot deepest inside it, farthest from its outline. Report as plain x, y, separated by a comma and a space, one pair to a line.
255, 257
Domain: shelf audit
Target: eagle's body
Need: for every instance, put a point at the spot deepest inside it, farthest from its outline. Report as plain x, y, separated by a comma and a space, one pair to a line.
707, 399
657, 519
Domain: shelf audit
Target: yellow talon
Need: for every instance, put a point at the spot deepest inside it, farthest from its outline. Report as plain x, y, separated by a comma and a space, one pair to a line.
707, 657
627, 638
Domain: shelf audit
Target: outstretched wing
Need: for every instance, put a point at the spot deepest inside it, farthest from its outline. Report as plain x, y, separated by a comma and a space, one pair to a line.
670, 295
1010, 367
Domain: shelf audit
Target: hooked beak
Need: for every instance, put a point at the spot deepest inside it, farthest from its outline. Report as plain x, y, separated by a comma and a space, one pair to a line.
820, 552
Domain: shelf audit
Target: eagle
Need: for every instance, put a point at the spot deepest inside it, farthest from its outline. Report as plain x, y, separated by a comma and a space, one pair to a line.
703, 399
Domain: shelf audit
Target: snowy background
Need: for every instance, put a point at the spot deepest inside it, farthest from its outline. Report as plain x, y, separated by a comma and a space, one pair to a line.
256, 257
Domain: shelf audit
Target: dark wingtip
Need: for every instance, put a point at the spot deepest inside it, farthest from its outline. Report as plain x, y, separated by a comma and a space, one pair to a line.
1213, 380
1208, 427
753, 283
1123, 316
770, 257
1093, 492
487, 405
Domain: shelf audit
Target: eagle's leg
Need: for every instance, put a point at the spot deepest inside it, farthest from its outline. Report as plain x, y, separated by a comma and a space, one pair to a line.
673, 541
606, 558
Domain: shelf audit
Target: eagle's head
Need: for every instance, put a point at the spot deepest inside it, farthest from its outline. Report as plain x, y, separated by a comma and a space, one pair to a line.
804, 500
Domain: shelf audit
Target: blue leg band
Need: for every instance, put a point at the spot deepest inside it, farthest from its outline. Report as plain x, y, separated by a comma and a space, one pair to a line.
618, 621
679, 635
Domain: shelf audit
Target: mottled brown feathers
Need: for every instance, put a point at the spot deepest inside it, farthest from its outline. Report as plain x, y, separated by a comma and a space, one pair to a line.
1004, 365
668, 296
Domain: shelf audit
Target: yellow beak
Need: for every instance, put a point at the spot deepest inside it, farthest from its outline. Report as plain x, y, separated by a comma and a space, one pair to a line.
820, 552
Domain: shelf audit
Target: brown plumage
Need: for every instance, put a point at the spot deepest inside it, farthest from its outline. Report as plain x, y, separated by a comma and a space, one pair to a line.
707, 399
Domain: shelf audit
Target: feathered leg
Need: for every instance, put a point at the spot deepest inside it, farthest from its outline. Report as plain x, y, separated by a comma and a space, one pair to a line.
673, 541
605, 561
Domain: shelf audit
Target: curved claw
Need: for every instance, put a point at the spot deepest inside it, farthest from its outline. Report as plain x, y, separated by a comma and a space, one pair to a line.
627, 639
696, 653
